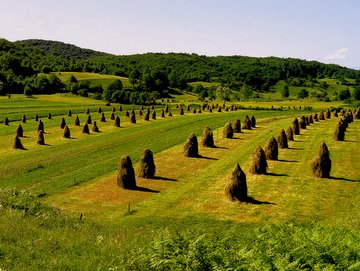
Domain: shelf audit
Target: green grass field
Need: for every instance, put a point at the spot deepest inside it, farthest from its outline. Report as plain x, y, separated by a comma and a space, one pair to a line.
181, 220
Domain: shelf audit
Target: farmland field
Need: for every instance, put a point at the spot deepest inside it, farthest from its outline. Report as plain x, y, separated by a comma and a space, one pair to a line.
60, 201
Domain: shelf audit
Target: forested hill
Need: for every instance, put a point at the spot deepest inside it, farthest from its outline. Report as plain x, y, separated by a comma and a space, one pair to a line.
21, 59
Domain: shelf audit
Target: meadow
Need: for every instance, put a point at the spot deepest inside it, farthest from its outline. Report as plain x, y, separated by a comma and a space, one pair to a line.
62, 210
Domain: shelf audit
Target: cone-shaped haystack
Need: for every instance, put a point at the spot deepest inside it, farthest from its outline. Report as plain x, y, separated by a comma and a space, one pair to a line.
253, 122
321, 163
208, 138
259, 163
335, 114
49, 116
302, 123
188, 108
219, 109
147, 165
67, 132
166, 109
120, 108
357, 114
132, 118
146, 116
237, 126
126, 173
282, 140
295, 127
181, 111
289, 134
127, 114
191, 148
40, 138
327, 114
321, 116
271, 149
99, 110
87, 112
117, 121
40, 126
307, 120
153, 115
112, 116
170, 114
36, 117
62, 123
24, 119
162, 113
77, 121
316, 117
69, 113
140, 113
246, 124
102, 118
194, 111
236, 188
88, 121
228, 131
6, 121
311, 120
85, 129
20, 131
95, 128
17, 143
339, 134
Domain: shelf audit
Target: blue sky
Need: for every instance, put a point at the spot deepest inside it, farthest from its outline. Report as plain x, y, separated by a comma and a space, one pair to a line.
327, 31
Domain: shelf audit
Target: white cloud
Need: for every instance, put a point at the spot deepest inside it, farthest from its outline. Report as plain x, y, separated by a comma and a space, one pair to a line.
338, 55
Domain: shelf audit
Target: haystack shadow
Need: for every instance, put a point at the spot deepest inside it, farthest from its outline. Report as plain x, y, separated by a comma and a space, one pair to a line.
251, 200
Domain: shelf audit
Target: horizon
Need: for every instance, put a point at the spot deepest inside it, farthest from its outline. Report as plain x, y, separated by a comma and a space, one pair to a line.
322, 31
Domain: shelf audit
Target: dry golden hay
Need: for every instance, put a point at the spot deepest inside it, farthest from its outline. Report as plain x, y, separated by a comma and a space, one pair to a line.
228, 131
237, 126
40, 126
194, 111
302, 123
17, 143
69, 113
140, 113
19, 131
321, 163
87, 112
316, 118
126, 173
95, 128
246, 123
99, 110
162, 113
102, 118
66, 132
49, 116
219, 109
132, 111
88, 121
191, 148
36, 117
77, 121
120, 108
311, 120
290, 134
210, 110
166, 109
339, 134
226, 109
282, 140
153, 115
253, 122
117, 121
259, 163
208, 138
170, 114
271, 149
236, 188
188, 108
199, 111
295, 127
212, 106
181, 111
112, 116
127, 114
152, 107
321, 116
132, 118
23, 119
147, 116
307, 121
357, 114
85, 129
335, 113
147, 166
6, 121
327, 114
40, 138
62, 123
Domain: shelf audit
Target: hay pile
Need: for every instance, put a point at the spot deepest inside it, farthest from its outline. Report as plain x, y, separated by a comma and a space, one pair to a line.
87, 112
321, 163
162, 113
295, 127
259, 163
253, 122
23, 119
311, 120
191, 148
40, 126
147, 166
102, 118
246, 124
132, 118
6, 121
69, 113
170, 114
282, 140
316, 117
99, 110
85, 129
126, 173
95, 128
228, 131
219, 109
49, 116
147, 116
36, 117
339, 134
153, 115
127, 114
77, 121
302, 123
17, 143
327, 114
66, 132
40, 139
181, 111
208, 138
88, 121
290, 134
236, 188
237, 126
117, 121
321, 116
20, 131
112, 116
335, 114
271, 149
62, 123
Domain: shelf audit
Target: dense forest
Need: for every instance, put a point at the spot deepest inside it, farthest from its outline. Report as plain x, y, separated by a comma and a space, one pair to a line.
22, 61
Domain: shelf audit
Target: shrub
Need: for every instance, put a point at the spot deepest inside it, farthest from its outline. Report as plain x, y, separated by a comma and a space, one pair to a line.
132, 118
69, 113
289, 134
147, 166
23, 119
126, 173
62, 123
191, 148
302, 122
321, 163
40, 138
40, 126
85, 129
102, 118
237, 126
117, 121
228, 131
95, 128
259, 163
153, 115
17, 143
66, 132
236, 188
77, 121
49, 116
19, 131
339, 134
295, 127
271, 149
282, 140
253, 122
208, 138
246, 124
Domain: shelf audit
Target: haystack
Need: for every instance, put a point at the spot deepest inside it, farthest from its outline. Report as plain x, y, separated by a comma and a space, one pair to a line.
126, 173
40, 138
271, 149
95, 128
62, 123
228, 131
321, 163
132, 118
20, 131
207, 138
295, 127
117, 121
237, 126
77, 121
290, 134
253, 122
66, 132
147, 166
236, 188
259, 163
17, 143
191, 148
85, 129
282, 140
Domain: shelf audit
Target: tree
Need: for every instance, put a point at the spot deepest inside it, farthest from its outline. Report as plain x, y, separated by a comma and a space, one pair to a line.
303, 93
223, 93
356, 93
135, 78
285, 92
115, 86
344, 94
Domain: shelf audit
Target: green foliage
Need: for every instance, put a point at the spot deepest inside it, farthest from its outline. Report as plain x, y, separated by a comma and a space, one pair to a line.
303, 93
344, 94
356, 93
285, 92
